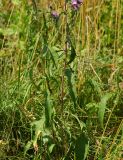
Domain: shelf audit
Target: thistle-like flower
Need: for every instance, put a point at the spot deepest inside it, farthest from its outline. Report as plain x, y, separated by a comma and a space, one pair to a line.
55, 15
76, 4
79, 2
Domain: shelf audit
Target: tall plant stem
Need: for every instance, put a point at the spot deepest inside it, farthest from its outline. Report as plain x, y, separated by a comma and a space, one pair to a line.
65, 50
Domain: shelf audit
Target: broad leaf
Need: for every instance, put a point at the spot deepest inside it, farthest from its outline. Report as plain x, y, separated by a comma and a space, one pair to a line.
81, 147
102, 107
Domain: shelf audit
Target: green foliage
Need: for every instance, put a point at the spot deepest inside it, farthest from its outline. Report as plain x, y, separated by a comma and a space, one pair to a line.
48, 109
81, 147
71, 87
102, 107
61, 80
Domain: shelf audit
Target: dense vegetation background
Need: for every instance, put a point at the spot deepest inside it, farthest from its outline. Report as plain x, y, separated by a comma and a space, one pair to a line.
61, 80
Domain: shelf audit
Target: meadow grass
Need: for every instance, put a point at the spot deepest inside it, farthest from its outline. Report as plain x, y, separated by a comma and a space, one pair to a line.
61, 80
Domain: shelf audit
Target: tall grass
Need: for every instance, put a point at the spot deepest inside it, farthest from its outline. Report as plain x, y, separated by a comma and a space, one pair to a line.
61, 80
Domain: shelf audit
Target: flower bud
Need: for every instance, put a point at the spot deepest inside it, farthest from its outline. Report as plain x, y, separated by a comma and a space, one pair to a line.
55, 15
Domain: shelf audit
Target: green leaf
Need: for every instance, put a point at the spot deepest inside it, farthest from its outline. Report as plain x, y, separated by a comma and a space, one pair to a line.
82, 124
81, 147
51, 147
27, 147
73, 53
97, 87
52, 57
72, 91
102, 107
16, 2
7, 31
48, 109
4, 53
39, 131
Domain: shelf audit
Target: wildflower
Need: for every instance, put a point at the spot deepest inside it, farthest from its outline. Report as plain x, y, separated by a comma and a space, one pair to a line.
55, 15
76, 4
79, 2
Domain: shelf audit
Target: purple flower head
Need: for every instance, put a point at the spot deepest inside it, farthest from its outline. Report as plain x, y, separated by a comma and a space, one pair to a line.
54, 14
76, 4
79, 1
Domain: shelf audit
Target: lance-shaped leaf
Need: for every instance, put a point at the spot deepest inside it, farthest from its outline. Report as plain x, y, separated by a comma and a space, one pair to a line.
81, 147
48, 109
102, 107
72, 92
73, 53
